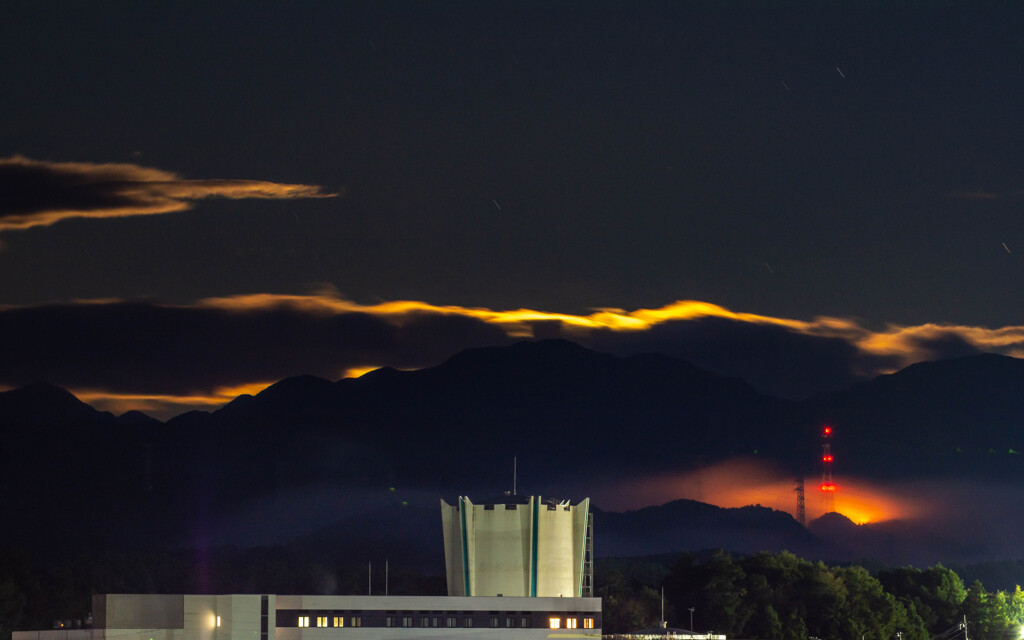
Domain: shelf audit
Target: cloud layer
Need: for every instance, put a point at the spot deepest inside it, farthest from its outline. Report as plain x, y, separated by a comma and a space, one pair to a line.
153, 356
38, 193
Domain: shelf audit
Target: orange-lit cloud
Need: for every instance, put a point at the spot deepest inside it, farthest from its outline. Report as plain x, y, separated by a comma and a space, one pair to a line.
34, 193
141, 355
904, 344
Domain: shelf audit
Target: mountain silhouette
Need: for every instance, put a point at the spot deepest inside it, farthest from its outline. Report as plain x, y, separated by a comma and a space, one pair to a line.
951, 417
570, 415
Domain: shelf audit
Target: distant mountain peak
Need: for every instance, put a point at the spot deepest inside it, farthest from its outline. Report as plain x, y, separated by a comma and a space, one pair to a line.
830, 524
300, 384
137, 418
45, 402
45, 391
528, 350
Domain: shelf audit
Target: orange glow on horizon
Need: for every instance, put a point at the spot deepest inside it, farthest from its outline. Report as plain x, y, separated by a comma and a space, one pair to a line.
119, 403
745, 482
357, 372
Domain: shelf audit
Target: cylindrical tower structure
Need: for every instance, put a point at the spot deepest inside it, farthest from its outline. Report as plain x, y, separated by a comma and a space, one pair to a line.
518, 546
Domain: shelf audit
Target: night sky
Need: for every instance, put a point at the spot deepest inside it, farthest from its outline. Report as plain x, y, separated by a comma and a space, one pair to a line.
198, 199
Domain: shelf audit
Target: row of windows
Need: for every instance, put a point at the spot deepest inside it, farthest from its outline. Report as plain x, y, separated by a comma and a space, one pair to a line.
554, 622
453, 621
337, 621
450, 622
570, 623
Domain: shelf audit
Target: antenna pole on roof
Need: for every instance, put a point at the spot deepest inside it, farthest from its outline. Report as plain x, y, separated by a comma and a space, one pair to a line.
369, 577
514, 470
663, 625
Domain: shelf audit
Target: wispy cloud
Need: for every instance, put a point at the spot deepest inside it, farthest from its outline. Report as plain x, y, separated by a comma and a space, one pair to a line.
36, 193
160, 357
984, 195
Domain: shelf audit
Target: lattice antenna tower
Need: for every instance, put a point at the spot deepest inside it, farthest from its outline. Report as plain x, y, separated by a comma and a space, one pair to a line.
801, 510
828, 487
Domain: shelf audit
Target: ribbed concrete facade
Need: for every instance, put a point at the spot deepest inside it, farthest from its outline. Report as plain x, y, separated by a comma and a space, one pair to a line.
516, 547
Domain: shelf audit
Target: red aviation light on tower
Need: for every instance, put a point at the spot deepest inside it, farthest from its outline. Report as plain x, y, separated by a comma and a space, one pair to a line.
828, 488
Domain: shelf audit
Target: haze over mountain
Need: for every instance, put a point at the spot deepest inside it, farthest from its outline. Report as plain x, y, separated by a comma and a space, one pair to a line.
308, 453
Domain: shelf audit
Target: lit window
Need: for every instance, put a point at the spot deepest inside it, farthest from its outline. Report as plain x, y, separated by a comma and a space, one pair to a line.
494, 622
339, 621
468, 622
425, 622
451, 621
406, 621
588, 623
509, 621
389, 622
357, 621
554, 623
524, 622
321, 621
303, 621
218, 621
570, 623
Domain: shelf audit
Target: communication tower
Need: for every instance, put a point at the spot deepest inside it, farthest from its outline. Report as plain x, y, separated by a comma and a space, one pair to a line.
801, 511
828, 487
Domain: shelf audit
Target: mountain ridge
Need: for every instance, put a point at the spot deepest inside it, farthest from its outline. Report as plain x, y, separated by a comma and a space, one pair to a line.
572, 417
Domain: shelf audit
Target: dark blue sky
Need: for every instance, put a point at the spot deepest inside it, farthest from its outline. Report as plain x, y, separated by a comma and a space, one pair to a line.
638, 154
856, 160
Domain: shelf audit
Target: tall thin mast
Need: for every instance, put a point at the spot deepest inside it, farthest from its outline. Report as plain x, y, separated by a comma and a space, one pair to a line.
514, 474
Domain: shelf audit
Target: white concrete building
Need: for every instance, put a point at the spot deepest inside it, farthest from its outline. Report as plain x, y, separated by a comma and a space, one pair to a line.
280, 617
522, 566
518, 546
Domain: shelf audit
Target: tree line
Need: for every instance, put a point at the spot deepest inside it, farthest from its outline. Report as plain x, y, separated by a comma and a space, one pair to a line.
782, 597
775, 596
